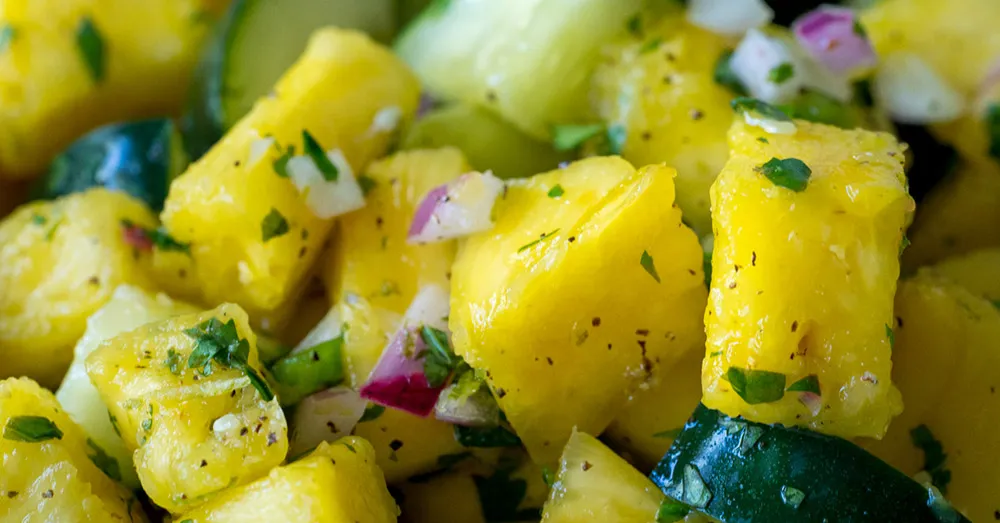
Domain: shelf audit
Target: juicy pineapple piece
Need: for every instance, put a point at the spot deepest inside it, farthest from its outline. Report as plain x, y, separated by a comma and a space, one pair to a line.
646, 428
945, 362
670, 107
977, 272
957, 38
405, 445
959, 216
452, 497
336, 483
195, 433
334, 91
527, 60
59, 262
802, 281
147, 49
129, 308
594, 484
370, 256
58, 479
571, 302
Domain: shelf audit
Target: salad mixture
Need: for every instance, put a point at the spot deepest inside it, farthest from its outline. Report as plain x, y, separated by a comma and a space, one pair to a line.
496, 261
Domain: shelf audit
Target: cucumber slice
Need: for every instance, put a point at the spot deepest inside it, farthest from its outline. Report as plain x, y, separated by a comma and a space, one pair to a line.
139, 158
485, 139
739, 471
527, 60
253, 45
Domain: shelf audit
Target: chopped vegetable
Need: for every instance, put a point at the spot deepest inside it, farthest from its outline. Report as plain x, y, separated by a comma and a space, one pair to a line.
91, 45
834, 37
732, 18
273, 225
32, 429
790, 173
459, 208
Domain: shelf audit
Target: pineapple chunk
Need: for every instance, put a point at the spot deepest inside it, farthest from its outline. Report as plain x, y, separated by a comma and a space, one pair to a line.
963, 44
646, 428
335, 90
670, 106
571, 302
129, 308
370, 257
977, 272
452, 497
803, 278
527, 60
147, 50
594, 484
62, 478
945, 358
959, 216
405, 445
336, 483
195, 432
59, 262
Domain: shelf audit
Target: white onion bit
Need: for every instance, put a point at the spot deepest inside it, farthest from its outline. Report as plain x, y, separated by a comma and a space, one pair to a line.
754, 59
258, 148
460, 208
729, 17
386, 120
914, 93
325, 198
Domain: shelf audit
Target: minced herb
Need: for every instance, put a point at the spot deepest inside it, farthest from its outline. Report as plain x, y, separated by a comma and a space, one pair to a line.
756, 386
274, 225
646, 261
318, 155
31, 429
790, 173
809, 383
220, 343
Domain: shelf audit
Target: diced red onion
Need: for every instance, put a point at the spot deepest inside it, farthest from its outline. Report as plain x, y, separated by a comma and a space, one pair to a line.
398, 380
325, 416
914, 93
136, 237
477, 410
456, 209
729, 17
325, 198
829, 34
812, 401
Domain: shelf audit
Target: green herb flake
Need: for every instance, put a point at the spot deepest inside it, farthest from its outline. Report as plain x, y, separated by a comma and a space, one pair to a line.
91, 45
556, 191
351, 447
715, 354
7, 34
529, 245
318, 155
439, 358
992, 121
486, 437
651, 45
669, 434
106, 463
174, 362
809, 383
646, 261
671, 511
570, 137
500, 495
51, 233
904, 244
859, 29
890, 336
274, 225
723, 74
634, 24
38, 219
744, 104
756, 386
280, 164
31, 429
694, 490
790, 173
220, 342
372, 413
792, 496
781, 73
763, 140
934, 456
367, 183
548, 476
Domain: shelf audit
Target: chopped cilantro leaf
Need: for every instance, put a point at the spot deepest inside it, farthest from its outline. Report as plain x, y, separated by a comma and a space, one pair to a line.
756, 386
31, 429
486, 437
651, 45
500, 496
141, 237
174, 361
890, 335
548, 476
781, 73
318, 156
372, 412
280, 164
556, 191
724, 75
671, 511
743, 104
647, 263
367, 183
91, 45
220, 342
106, 463
934, 456
544, 236
859, 29
904, 244
439, 358
809, 383
815, 106
634, 24
790, 173
38, 219
569, 137
7, 34
273, 225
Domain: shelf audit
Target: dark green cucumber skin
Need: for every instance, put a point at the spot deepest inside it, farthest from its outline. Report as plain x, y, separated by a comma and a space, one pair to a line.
137, 158
841, 482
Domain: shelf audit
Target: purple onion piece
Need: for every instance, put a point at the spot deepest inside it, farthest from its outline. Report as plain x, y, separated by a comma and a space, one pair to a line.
832, 36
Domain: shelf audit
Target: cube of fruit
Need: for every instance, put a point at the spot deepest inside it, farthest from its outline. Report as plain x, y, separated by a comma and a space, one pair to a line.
945, 362
186, 394
370, 256
336, 483
451, 497
587, 283
594, 484
102, 61
808, 230
51, 470
129, 308
977, 272
59, 262
527, 60
647, 426
253, 237
657, 86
